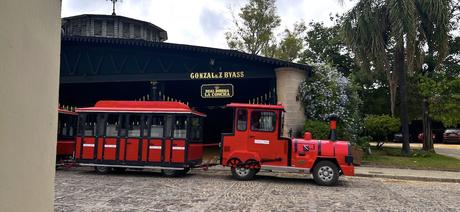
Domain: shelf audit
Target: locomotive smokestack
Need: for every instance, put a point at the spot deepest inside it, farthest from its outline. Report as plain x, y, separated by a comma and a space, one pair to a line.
333, 126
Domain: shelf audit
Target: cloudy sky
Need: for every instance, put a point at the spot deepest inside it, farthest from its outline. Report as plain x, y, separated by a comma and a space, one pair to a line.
203, 22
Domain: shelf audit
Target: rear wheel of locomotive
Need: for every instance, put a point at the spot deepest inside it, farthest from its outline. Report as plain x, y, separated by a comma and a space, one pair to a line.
102, 169
243, 172
326, 173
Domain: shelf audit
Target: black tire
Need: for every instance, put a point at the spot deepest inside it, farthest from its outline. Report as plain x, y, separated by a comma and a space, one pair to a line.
174, 173
326, 173
102, 169
241, 173
119, 170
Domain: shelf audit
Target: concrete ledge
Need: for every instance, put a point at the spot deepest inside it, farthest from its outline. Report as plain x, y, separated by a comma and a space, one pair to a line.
408, 174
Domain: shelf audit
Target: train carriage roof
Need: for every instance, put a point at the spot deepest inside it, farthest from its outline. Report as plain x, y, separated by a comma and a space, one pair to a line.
256, 106
67, 112
140, 107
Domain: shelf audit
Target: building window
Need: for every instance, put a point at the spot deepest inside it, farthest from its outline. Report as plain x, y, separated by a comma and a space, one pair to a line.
76, 30
263, 121
137, 31
83, 28
149, 35
110, 28
125, 30
98, 28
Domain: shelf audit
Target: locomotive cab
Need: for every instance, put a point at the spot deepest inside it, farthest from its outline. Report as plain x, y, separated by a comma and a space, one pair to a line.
257, 143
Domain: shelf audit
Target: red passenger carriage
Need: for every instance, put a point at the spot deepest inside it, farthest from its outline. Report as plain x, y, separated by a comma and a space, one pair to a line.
66, 133
140, 134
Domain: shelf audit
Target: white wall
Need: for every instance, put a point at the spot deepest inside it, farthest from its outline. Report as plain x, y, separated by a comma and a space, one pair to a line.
29, 79
287, 86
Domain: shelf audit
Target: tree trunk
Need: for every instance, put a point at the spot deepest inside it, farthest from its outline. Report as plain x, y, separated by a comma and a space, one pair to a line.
404, 117
393, 90
427, 135
392, 78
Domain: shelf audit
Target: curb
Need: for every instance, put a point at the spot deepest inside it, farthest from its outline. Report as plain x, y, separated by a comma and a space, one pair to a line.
426, 179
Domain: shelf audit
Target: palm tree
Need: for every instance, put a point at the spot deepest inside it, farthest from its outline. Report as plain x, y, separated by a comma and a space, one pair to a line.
392, 36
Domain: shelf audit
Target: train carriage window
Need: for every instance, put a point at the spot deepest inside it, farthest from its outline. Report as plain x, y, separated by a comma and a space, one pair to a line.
100, 124
123, 126
242, 119
195, 129
156, 127
89, 124
134, 129
180, 127
264, 121
111, 127
66, 126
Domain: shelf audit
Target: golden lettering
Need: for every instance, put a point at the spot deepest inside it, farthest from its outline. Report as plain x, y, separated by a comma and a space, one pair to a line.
217, 75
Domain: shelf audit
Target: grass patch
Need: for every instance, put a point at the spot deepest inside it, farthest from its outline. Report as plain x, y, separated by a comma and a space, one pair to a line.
392, 157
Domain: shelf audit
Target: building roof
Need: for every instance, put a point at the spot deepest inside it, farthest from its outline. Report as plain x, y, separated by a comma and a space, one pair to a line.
256, 106
163, 34
185, 47
140, 107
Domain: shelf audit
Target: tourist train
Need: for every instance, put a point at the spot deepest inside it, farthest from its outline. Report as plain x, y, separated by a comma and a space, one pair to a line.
168, 136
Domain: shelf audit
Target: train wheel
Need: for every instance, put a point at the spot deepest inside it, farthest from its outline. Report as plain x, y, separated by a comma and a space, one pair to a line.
102, 169
326, 173
119, 170
175, 173
244, 171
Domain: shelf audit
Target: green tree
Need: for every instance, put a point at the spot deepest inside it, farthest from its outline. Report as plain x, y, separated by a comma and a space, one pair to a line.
377, 30
325, 45
292, 43
254, 29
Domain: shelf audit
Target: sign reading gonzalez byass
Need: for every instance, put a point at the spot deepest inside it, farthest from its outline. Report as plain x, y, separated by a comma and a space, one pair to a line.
217, 75
216, 91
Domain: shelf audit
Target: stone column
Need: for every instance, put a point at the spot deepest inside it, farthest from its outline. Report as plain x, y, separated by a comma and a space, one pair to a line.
29, 82
287, 84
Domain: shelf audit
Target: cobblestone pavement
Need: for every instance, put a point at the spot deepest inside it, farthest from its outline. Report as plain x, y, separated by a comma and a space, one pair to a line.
84, 190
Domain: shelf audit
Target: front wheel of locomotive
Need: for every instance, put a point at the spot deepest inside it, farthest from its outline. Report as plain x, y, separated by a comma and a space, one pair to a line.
245, 171
326, 173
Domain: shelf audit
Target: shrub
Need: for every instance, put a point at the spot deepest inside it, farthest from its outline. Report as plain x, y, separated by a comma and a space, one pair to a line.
329, 91
318, 129
321, 130
381, 127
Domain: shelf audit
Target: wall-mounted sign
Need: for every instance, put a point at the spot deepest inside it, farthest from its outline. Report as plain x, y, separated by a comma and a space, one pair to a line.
217, 75
216, 91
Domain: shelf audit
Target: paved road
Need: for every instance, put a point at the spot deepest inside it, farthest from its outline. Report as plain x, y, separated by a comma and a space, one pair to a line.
83, 190
452, 150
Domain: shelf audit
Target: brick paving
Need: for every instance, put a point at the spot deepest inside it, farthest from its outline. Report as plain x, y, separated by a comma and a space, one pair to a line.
84, 190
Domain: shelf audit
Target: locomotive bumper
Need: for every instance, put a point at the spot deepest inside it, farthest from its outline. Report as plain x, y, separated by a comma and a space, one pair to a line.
348, 170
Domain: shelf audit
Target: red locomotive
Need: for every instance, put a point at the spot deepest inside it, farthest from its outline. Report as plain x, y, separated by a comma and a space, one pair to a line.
256, 143
115, 135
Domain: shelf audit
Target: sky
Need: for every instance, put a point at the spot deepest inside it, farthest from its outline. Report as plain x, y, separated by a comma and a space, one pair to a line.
204, 22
